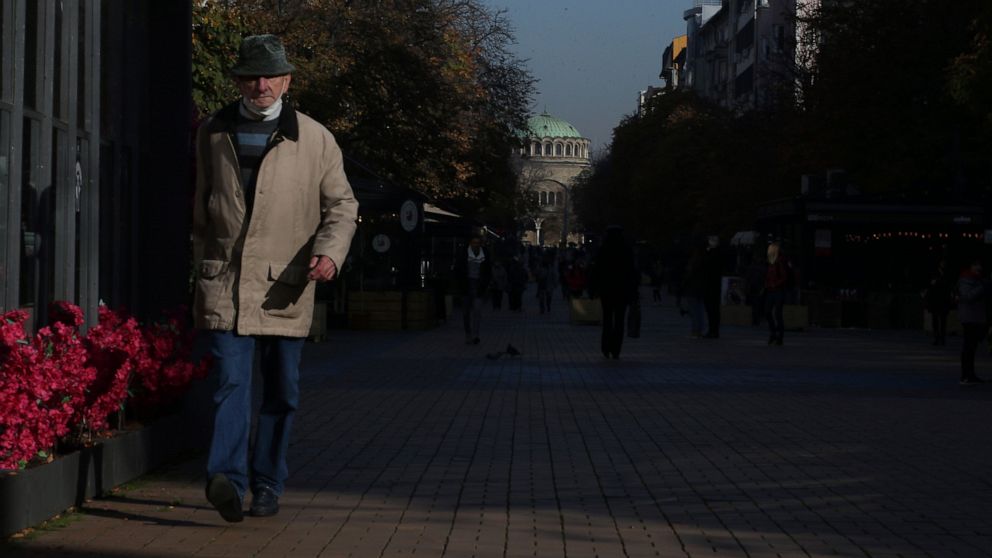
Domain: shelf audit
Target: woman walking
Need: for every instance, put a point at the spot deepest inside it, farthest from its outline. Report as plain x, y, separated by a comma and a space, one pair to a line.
776, 287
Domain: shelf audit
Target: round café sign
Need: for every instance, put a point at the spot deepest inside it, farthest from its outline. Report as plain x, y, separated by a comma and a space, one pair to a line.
380, 243
409, 215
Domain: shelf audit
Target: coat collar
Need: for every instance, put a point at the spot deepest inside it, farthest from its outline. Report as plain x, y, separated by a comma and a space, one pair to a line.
225, 119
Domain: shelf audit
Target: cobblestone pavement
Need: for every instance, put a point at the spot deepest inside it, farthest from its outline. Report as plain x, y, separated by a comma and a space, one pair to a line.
840, 443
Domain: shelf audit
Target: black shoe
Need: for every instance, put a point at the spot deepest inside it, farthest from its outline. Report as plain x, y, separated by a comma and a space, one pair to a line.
264, 502
973, 381
778, 341
475, 341
772, 340
223, 496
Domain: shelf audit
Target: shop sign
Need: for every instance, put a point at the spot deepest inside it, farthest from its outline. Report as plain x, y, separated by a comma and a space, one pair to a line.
409, 215
380, 243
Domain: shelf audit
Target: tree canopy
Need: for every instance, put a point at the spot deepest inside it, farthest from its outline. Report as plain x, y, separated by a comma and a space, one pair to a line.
424, 92
897, 93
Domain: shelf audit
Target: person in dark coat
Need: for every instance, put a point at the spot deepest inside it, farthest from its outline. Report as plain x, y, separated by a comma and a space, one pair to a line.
712, 286
542, 279
615, 279
473, 270
937, 299
776, 288
517, 284
691, 291
973, 298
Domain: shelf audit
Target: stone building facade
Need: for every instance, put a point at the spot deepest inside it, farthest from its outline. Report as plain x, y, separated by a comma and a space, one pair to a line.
553, 155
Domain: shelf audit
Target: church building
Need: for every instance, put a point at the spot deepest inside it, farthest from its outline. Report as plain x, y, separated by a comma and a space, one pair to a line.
553, 155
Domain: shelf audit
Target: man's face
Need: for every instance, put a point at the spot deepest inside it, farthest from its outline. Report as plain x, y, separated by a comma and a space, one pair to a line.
263, 91
475, 243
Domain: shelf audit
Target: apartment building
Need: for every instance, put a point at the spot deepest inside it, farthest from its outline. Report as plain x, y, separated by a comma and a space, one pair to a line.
740, 53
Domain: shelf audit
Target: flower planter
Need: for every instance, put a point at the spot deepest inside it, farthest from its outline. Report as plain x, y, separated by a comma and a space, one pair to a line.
34, 495
585, 311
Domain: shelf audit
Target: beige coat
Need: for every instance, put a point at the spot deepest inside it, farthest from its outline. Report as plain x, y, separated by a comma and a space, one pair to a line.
251, 277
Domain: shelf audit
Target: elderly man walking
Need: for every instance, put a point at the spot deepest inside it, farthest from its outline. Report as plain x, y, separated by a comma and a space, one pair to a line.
273, 214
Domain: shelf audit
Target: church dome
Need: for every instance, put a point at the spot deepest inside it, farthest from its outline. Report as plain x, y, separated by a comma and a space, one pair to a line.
547, 126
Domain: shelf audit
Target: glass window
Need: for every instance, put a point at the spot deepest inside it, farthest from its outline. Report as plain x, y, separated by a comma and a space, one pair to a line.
568, 150
30, 216
60, 104
558, 149
4, 184
544, 198
5, 70
31, 48
82, 78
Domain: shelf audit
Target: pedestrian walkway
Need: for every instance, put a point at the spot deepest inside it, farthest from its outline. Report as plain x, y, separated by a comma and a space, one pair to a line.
839, 443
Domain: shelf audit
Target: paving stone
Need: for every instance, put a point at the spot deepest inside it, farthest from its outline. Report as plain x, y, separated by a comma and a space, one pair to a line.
839, 443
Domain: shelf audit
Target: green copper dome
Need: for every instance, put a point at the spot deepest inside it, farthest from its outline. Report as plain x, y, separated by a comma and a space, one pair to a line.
547, 126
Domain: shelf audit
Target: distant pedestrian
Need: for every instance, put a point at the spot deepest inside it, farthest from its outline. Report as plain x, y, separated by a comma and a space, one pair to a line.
973, 299
712, 286
576, 279
615, 279
777, 284
499, 284
657, 276
691, 293
474, 271
937, 299
562, 275
542, 279
517, 276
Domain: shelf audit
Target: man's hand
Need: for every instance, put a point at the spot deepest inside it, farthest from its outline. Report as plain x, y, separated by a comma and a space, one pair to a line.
322, 269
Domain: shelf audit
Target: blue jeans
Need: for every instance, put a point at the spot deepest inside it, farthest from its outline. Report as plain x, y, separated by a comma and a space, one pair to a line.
774, 302
280, 367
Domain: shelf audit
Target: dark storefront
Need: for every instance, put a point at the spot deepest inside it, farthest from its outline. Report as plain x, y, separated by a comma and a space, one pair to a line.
871, 259
94, 154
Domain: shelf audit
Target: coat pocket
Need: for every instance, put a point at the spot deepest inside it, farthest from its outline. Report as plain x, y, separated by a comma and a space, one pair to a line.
287, 283
210, 269
213, 291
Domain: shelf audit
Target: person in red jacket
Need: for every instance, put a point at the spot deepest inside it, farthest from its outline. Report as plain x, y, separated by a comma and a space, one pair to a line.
777, 279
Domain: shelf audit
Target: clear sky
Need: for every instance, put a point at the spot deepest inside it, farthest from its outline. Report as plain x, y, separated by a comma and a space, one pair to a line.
591, 57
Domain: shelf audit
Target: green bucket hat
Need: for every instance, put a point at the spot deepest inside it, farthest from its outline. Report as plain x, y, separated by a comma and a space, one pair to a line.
262, 55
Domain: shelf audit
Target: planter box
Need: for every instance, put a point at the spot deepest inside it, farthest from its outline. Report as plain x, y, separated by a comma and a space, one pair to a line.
828, 314
34, 495
796, 316
953, 325
586, 311
735, 314
384, 311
